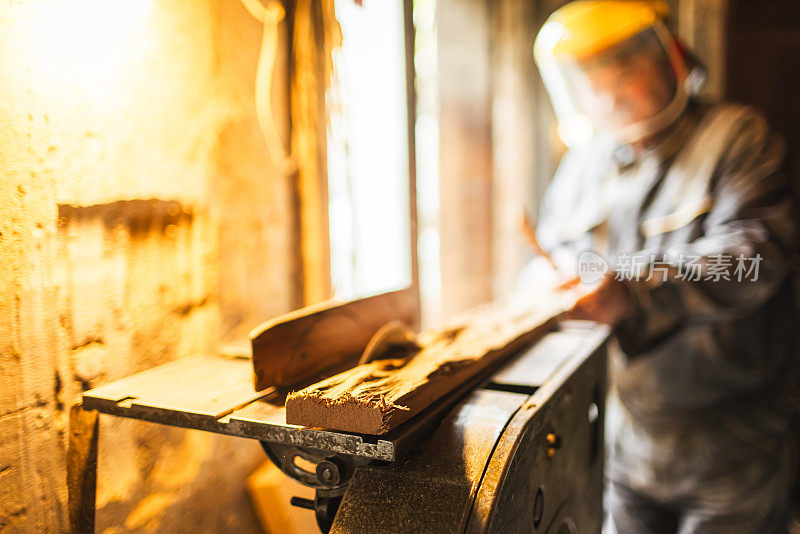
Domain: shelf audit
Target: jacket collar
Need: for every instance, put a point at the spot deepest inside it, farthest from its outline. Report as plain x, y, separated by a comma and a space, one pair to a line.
666, 146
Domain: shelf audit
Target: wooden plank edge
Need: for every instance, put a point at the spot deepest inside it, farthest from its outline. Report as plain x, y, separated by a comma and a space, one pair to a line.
364, 418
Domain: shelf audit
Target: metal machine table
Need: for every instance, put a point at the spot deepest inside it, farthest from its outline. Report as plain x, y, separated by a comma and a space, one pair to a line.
215, 394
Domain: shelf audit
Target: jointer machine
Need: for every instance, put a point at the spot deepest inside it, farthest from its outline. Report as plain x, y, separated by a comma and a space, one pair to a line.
517, 448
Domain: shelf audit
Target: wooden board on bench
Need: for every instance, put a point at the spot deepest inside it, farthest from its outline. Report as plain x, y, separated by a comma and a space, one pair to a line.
296, 347
378, 396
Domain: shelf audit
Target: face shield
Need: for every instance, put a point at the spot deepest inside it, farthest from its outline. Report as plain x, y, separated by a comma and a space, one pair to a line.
628, 89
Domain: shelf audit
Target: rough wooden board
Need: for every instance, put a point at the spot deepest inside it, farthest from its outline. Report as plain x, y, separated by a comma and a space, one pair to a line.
271, 492
82, 468
374, 398
295, 347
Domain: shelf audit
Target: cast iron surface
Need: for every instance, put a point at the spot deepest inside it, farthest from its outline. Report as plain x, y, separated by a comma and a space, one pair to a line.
476, 449
427, 491
546, 471
469, 474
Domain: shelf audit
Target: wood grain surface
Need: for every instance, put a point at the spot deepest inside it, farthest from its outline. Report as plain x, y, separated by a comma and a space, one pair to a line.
378, 396
293, 348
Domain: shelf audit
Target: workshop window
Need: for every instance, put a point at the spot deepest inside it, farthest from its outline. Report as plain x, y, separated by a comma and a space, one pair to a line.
368, 171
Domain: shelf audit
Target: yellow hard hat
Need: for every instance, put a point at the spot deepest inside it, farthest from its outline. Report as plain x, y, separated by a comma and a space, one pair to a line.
581, 32
584, 28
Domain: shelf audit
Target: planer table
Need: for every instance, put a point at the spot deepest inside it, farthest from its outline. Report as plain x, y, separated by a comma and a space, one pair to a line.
215, 394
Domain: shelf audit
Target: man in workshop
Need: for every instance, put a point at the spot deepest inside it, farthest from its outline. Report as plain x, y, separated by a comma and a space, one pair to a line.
690, 207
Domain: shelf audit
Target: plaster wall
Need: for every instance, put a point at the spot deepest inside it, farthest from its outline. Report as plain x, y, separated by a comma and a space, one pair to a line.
140, 222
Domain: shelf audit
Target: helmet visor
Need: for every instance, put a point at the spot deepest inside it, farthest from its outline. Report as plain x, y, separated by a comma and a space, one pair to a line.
630, 90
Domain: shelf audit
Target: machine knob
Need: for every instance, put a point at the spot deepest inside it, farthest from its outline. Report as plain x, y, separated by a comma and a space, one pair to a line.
329, 473
301, 502
553, 443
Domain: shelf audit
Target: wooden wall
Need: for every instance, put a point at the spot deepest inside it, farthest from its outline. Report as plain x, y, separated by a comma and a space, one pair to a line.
465, 158
141, 221
764, 64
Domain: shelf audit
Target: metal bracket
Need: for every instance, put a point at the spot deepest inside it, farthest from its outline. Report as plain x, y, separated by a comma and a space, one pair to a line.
330, 477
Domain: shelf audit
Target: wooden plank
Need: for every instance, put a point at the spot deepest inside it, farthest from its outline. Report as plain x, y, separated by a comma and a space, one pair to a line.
465, 153
82, 468
271, 492
703, 25
209, 386
315, 35
411, 121
515, 140
375, 397
297, 346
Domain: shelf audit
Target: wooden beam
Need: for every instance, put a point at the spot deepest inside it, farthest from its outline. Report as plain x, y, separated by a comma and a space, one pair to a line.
82, 468
465, 153
295, 347
703, 25
515, 139
411, 122
312, 46
378, 396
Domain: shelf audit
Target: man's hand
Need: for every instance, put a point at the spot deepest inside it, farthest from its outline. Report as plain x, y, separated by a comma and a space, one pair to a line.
607, 302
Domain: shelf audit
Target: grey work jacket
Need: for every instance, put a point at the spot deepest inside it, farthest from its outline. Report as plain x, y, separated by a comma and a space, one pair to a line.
715, 187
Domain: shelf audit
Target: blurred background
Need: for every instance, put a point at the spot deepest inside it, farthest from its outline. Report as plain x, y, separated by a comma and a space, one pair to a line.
174, 173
